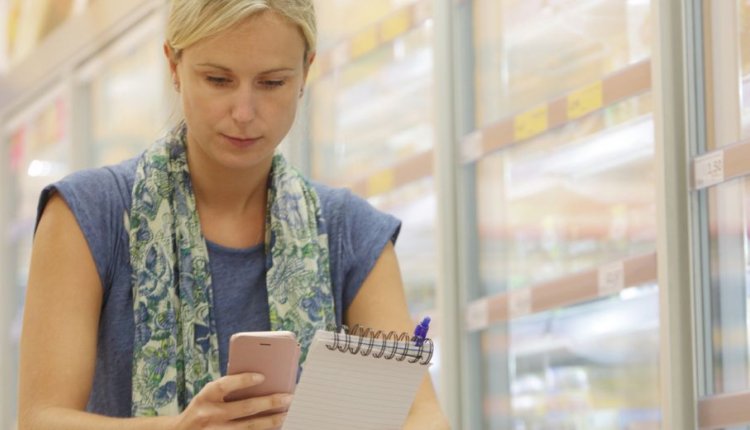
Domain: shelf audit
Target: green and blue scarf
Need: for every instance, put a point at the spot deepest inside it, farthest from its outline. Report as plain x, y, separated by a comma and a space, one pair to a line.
176, 352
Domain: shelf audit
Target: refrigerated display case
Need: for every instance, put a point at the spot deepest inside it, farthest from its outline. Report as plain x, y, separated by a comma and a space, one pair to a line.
563, 193
127, 100
370, 112
373, 113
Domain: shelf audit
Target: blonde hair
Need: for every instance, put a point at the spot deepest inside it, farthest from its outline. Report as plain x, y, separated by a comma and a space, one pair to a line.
193, 20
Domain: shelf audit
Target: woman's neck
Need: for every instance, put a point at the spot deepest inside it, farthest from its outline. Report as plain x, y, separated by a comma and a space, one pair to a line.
231, 204
231, 191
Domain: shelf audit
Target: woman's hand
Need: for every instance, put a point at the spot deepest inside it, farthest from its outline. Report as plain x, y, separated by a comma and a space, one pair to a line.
208, 410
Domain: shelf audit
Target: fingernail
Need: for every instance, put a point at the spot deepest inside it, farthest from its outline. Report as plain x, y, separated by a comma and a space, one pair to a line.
286, 399
258, 378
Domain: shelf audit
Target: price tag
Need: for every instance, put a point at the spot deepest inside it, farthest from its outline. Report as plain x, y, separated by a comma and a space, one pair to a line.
471, 149
530, 123
708, 170
611, 279
381, 182
395, 25
364, 42
519, 303
478, 315
585, 100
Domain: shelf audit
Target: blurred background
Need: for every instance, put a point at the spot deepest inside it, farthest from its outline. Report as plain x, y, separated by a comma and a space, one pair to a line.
571, 176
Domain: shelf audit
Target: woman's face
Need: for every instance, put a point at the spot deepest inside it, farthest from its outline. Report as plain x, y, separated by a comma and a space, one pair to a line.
240, 90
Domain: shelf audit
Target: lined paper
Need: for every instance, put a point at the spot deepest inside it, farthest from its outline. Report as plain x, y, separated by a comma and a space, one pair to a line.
345, 391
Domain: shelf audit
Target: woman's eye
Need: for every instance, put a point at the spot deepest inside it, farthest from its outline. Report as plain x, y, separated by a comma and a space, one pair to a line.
218, 81
272, 83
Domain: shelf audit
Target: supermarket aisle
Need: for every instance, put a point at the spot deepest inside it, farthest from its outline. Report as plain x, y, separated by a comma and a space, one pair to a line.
570, 175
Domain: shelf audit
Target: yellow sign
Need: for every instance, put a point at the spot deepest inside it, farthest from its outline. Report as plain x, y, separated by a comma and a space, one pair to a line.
396, 25
381, 182
364, 42
530, 123
585, 100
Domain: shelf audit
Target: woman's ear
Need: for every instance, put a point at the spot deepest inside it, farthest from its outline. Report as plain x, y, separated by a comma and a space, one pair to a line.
308, 63
172, 60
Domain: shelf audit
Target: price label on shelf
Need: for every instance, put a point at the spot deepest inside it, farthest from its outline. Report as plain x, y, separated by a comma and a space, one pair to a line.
519, 303
364, 42
708, 170
478, 315
531, 123
381, 182
396, 25
585, 100
611, 279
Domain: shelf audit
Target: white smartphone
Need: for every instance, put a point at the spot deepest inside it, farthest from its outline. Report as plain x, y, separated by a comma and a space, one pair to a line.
275, 354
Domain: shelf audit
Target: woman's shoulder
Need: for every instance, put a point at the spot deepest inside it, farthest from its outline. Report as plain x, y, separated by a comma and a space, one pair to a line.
340, 200
103, 179
94, 195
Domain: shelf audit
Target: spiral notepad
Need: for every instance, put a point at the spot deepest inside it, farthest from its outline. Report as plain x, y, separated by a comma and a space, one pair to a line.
358, 379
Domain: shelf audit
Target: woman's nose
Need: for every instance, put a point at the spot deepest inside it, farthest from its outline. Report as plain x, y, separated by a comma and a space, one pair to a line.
243, 105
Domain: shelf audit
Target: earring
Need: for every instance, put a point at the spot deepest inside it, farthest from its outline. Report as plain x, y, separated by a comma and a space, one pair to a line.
176, 85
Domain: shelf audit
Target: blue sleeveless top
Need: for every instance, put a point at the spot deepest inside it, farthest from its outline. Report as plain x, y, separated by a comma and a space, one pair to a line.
100, 198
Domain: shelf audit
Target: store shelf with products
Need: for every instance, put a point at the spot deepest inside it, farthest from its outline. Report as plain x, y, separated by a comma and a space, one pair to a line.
612, 279
567, 201
610, 91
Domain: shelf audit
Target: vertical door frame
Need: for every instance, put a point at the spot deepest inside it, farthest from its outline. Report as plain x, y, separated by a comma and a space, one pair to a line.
446, 168
676, 360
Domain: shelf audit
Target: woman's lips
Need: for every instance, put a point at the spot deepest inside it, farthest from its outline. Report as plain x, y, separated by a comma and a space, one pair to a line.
241, 142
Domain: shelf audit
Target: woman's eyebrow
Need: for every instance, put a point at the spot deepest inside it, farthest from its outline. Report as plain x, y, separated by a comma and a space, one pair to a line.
215, 66
227, 69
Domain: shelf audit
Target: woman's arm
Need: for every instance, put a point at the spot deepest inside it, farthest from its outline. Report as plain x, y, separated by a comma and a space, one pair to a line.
381, 303
61, 319
58, 346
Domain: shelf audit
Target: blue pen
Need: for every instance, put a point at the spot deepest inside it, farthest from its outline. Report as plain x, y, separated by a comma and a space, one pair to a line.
420, 331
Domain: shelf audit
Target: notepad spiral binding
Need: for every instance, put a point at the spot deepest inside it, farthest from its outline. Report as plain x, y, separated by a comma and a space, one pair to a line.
386, 344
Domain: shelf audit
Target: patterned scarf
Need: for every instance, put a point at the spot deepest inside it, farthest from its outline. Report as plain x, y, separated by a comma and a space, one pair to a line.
176, 352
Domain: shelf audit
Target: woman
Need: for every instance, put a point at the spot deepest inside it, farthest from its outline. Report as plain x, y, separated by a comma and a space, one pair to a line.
140, 272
